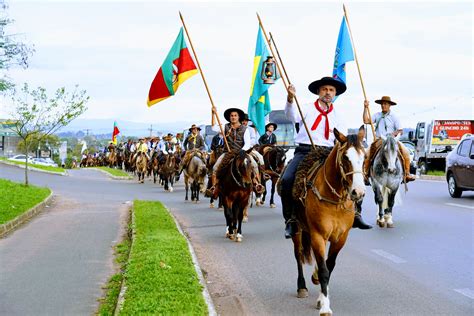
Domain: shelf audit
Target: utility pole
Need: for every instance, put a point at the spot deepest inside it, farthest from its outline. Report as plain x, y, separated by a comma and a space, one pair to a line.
151, 129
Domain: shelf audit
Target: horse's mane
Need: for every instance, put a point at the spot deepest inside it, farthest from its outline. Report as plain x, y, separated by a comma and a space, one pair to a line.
353, 141
226, 160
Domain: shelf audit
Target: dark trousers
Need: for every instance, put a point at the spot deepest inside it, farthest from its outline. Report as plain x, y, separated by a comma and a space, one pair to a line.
288, 179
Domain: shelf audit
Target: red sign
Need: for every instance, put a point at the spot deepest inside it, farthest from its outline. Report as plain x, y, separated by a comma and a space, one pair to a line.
450, 132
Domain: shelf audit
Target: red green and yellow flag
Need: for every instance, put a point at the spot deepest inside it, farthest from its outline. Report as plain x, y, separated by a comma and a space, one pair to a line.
176, 69
115, 133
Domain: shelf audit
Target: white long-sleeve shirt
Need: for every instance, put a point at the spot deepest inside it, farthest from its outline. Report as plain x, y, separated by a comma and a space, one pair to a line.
247, 139
310, 114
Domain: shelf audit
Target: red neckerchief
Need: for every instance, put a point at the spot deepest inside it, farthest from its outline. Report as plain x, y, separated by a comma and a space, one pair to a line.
318, 119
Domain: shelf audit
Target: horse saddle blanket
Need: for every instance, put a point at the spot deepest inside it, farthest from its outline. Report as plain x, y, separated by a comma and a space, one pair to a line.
307, 168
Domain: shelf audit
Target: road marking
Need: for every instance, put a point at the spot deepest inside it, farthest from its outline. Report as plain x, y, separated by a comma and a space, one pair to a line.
389, 256
466, 292
460, 205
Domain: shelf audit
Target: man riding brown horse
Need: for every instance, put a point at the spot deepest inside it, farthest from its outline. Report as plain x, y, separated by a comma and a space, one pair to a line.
238, 139
193, 145
322, 119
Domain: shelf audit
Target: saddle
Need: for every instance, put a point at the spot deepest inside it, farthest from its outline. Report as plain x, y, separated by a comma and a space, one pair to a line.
221, 171
307, 169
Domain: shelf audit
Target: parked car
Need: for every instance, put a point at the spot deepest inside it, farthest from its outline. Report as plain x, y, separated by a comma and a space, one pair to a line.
44, 162
21, 158
460, 167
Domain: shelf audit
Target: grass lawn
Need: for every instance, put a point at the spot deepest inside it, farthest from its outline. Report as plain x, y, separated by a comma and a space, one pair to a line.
435, 173
114, 172
160, 275
17, 199
47, 168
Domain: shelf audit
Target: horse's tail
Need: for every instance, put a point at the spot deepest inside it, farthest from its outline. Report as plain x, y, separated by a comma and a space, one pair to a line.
306, 250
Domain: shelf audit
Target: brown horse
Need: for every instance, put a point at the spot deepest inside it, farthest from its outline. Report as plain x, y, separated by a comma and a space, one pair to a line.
213, 156
141, 163
155, 164
112, 158
167, 171
194, 176
327, 213
237, 176
274, 158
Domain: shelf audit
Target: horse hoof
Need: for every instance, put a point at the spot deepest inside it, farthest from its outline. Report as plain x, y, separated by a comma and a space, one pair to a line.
245, 219
325, 314
170, 190
239, 238
318, 304
211, 205
314, 280
390, 225
273, 205
380, 223
302, 293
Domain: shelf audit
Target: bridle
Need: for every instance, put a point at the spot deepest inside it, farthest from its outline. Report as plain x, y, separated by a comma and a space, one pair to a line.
342, 198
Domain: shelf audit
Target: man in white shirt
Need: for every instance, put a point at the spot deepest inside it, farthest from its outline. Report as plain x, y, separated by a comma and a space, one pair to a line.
385, 123
321, 118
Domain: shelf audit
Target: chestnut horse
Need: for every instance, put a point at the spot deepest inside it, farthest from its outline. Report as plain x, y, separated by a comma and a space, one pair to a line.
194, 176
167, 172
141, 164
237, 174
328, 213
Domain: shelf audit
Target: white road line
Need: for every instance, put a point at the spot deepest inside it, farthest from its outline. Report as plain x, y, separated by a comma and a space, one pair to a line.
389, 256
460, 205
466, 292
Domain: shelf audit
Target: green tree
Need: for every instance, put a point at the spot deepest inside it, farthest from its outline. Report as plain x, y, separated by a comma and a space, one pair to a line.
38, 115
13, 52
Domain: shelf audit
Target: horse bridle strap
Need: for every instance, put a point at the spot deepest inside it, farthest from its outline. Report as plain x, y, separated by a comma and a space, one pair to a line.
232, 173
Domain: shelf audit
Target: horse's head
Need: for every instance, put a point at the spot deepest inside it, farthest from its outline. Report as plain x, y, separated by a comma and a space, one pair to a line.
246, 169
280, 158
350, 159
389, 154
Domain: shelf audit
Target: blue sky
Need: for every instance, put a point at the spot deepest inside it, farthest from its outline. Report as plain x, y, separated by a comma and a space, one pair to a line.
418, 53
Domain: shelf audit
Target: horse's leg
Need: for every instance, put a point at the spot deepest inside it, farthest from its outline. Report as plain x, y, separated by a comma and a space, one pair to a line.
171, 182
272, 194
239, 215
297, 248
227, 214
333, 251
186, 186
378, 196
319, 248
388, 211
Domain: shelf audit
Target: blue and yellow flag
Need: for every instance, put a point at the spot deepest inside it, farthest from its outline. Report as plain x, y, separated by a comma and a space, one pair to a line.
344, 52
259, 102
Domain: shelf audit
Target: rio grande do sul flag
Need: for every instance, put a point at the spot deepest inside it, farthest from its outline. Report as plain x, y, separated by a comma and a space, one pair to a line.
115, 132
176, 69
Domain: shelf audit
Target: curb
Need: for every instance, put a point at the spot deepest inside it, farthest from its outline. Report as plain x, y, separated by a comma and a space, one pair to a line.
111, 176
15, 223
33, 168
205, 292
436, 178
123, 287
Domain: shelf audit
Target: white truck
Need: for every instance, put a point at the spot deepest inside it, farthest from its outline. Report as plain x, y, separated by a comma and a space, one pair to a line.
435, 139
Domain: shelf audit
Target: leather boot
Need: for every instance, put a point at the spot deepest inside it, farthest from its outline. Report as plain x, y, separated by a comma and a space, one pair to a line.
358, 220
291, 226
406, 164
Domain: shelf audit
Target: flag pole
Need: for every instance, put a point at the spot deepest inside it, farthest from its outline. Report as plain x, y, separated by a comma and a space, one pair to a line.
358, 68
214, 109
283, 78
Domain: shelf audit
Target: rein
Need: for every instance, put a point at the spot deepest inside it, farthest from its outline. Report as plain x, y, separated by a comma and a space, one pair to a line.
232, 164
342, 198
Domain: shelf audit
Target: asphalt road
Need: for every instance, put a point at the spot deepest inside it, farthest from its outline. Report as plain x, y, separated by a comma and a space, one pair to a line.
424, 266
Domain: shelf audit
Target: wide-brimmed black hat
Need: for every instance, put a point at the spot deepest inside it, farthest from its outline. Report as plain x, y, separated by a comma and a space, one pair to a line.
228, 111
246, 117
327, 81
386, 99
194, 126
274, 126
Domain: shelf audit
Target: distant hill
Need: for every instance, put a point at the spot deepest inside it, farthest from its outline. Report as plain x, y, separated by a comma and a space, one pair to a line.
82, 127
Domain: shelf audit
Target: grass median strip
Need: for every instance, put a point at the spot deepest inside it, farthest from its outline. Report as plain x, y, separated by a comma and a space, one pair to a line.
114, 172
17, 199
160, 276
